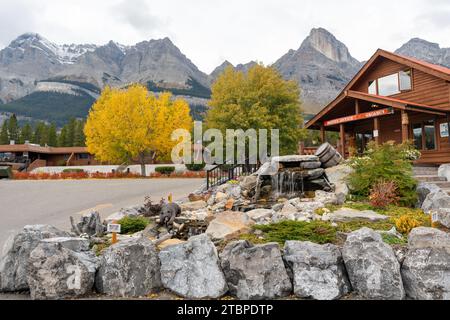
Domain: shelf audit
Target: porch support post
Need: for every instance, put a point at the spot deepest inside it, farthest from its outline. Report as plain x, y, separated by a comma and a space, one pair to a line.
405, 126
376, 127
357, 106
322, 133
342, 139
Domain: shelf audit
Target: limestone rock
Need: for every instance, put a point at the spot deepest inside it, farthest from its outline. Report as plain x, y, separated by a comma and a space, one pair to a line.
74, 244
326, 198
423, 190
129, 269
337, 176
372, 267
192, 269
193, 206
435, 201
170, 242
426, 268
55, 272
347, 214
442, 216
228, 224
90, 224
255, 272
220, 196
318, 271
258, 215
444, 171
13, 272
249, 183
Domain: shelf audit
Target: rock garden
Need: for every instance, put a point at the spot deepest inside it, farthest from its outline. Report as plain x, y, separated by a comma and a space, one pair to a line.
302, 227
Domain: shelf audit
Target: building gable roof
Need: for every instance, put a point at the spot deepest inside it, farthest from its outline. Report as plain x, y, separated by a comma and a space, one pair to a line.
435, 70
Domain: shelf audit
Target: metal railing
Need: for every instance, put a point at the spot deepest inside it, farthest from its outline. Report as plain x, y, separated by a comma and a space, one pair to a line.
223, 173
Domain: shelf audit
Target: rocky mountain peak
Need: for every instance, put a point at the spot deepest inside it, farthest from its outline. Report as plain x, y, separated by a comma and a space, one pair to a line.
326, 43
425, 50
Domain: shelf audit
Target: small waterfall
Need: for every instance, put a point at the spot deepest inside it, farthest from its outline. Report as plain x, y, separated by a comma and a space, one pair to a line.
287, 183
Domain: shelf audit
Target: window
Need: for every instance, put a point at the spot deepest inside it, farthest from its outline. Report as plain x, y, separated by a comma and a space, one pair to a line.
83, 156
373, 87
388, 85
391, 84
430, 135
405, 80
425, 135
417, 133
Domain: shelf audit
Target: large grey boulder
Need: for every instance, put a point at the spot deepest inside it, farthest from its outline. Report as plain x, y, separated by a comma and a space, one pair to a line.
255, 272
129, 268
423, 190
444, 171
338, 177
16, 253
426, 268
192, 269
372, 267
55, 272
436, 200
318, 270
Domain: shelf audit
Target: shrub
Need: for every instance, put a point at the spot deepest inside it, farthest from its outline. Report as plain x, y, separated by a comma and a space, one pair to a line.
72, 170
131, 225
319, 232
383, 194
196, 167
406, 223
165, 170
388, 162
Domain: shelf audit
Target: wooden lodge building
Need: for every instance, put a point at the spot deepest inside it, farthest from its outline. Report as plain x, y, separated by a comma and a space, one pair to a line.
35, 156
392, 98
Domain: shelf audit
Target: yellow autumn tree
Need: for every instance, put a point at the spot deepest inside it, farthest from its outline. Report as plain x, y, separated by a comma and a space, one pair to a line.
258, 99
134, 124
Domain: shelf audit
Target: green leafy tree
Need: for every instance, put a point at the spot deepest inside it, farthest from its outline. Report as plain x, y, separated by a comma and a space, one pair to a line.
260, 99
4, 136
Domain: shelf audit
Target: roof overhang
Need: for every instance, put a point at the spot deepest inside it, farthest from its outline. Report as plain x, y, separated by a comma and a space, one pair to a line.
384, 101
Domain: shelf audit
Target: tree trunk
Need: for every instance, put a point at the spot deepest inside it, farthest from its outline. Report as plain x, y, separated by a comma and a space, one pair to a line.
142, 160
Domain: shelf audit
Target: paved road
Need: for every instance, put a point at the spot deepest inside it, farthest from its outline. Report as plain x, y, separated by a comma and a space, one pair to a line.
53, 202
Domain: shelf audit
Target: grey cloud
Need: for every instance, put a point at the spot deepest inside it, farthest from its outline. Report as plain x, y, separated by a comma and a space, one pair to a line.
139, 16
17, 17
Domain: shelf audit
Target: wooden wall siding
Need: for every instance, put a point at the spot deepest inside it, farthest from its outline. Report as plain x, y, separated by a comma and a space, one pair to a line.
427, 89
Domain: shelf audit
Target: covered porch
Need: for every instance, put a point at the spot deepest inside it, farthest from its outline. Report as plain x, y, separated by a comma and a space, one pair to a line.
360, 118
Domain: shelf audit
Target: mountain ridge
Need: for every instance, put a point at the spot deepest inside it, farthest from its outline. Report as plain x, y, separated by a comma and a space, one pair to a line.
322, 65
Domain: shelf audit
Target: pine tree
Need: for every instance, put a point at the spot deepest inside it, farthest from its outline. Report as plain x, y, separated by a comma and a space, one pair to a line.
79, 137
52, 136
71, 127
13, 128
4, 137
26, 133
62, 139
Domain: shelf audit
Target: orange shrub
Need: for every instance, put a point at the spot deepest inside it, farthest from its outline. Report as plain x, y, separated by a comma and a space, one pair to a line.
383, 194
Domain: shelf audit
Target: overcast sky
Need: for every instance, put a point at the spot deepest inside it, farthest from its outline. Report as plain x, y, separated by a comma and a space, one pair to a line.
210, 31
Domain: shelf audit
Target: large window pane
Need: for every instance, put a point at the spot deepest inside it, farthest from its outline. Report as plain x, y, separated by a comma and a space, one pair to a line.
405, 80
373, 87
388, 86
417, 132
430, 135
